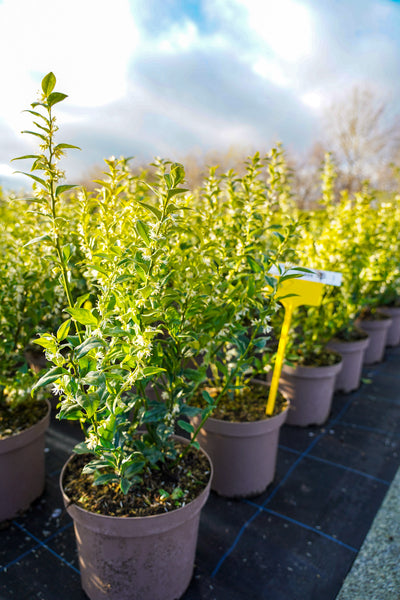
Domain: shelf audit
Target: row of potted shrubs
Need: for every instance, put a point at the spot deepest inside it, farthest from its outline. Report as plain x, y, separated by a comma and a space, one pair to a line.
153, 310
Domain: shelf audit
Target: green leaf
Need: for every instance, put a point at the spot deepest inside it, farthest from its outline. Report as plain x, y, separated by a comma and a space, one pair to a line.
82, 316
45, 129
197, 375
50, 377
38, 179
134, 467
63, 330
90, 405
209, 399
152, 209
26, 156
87, 346
81, 299
65, 146
186, 426
94, 378
260, 342
37, 114
190, 411
174, 192
39, 135
81, 448
106, 478
177, 174
63, 188
67, 252
55, 97
254, 265
48, 83
125, 485
71, 413
143, 230
289, 276
46, 342
97, 268
147, 371
95, 465
163, 494
38, 239
177, 493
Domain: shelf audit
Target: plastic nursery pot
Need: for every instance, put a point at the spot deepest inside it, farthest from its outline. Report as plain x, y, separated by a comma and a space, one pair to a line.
352, 352
243, 453
310, 392
22, 468
393, 333
136, 558
377, 330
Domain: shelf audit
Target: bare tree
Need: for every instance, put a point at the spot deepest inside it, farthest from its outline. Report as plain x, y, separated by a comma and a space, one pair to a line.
363, 135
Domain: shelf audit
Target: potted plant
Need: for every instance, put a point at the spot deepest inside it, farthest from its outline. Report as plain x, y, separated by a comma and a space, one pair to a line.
383, 274
133, 489
373, 276
26, 294
309, 373
240, 437
331, 242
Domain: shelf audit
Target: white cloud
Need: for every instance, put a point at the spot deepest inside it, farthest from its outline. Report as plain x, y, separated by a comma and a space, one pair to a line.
313, 99
284, 25
271, 70
181, 37
157, 77
6, 170
87, 44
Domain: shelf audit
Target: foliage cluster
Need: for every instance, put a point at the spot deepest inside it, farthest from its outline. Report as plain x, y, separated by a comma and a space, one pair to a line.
176, 289
147, 296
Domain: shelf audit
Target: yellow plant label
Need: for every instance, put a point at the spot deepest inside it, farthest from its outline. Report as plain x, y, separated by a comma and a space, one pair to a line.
298, 291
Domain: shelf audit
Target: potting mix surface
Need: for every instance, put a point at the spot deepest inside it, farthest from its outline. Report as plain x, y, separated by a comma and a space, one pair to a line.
296, 541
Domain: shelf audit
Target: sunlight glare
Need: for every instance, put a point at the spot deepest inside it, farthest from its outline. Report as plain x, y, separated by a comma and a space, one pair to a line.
285, 25
314, 100
88, 45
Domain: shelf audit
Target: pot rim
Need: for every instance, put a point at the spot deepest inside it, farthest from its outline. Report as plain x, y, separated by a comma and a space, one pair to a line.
392, 311
24, 437
376, 324
350, 345
78, 513
247, 428
314, 371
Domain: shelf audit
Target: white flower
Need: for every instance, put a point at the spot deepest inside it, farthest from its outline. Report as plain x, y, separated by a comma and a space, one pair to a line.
57, 390
91, 441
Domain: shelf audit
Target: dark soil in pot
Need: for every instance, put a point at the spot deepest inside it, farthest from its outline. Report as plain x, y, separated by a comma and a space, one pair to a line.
351, 335
22, 468
21, 417
242, 441
248, 405
156, 494
325, 358
135, 557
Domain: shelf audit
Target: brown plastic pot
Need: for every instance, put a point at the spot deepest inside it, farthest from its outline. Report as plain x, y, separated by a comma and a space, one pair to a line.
393, 333
310, 392
349, 377
377, 330
243, 454
136, 558
22, 468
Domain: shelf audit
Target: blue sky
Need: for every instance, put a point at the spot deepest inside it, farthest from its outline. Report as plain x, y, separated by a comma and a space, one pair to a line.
170, 77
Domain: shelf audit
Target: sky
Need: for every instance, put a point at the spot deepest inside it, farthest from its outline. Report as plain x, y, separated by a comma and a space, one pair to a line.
167, 78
